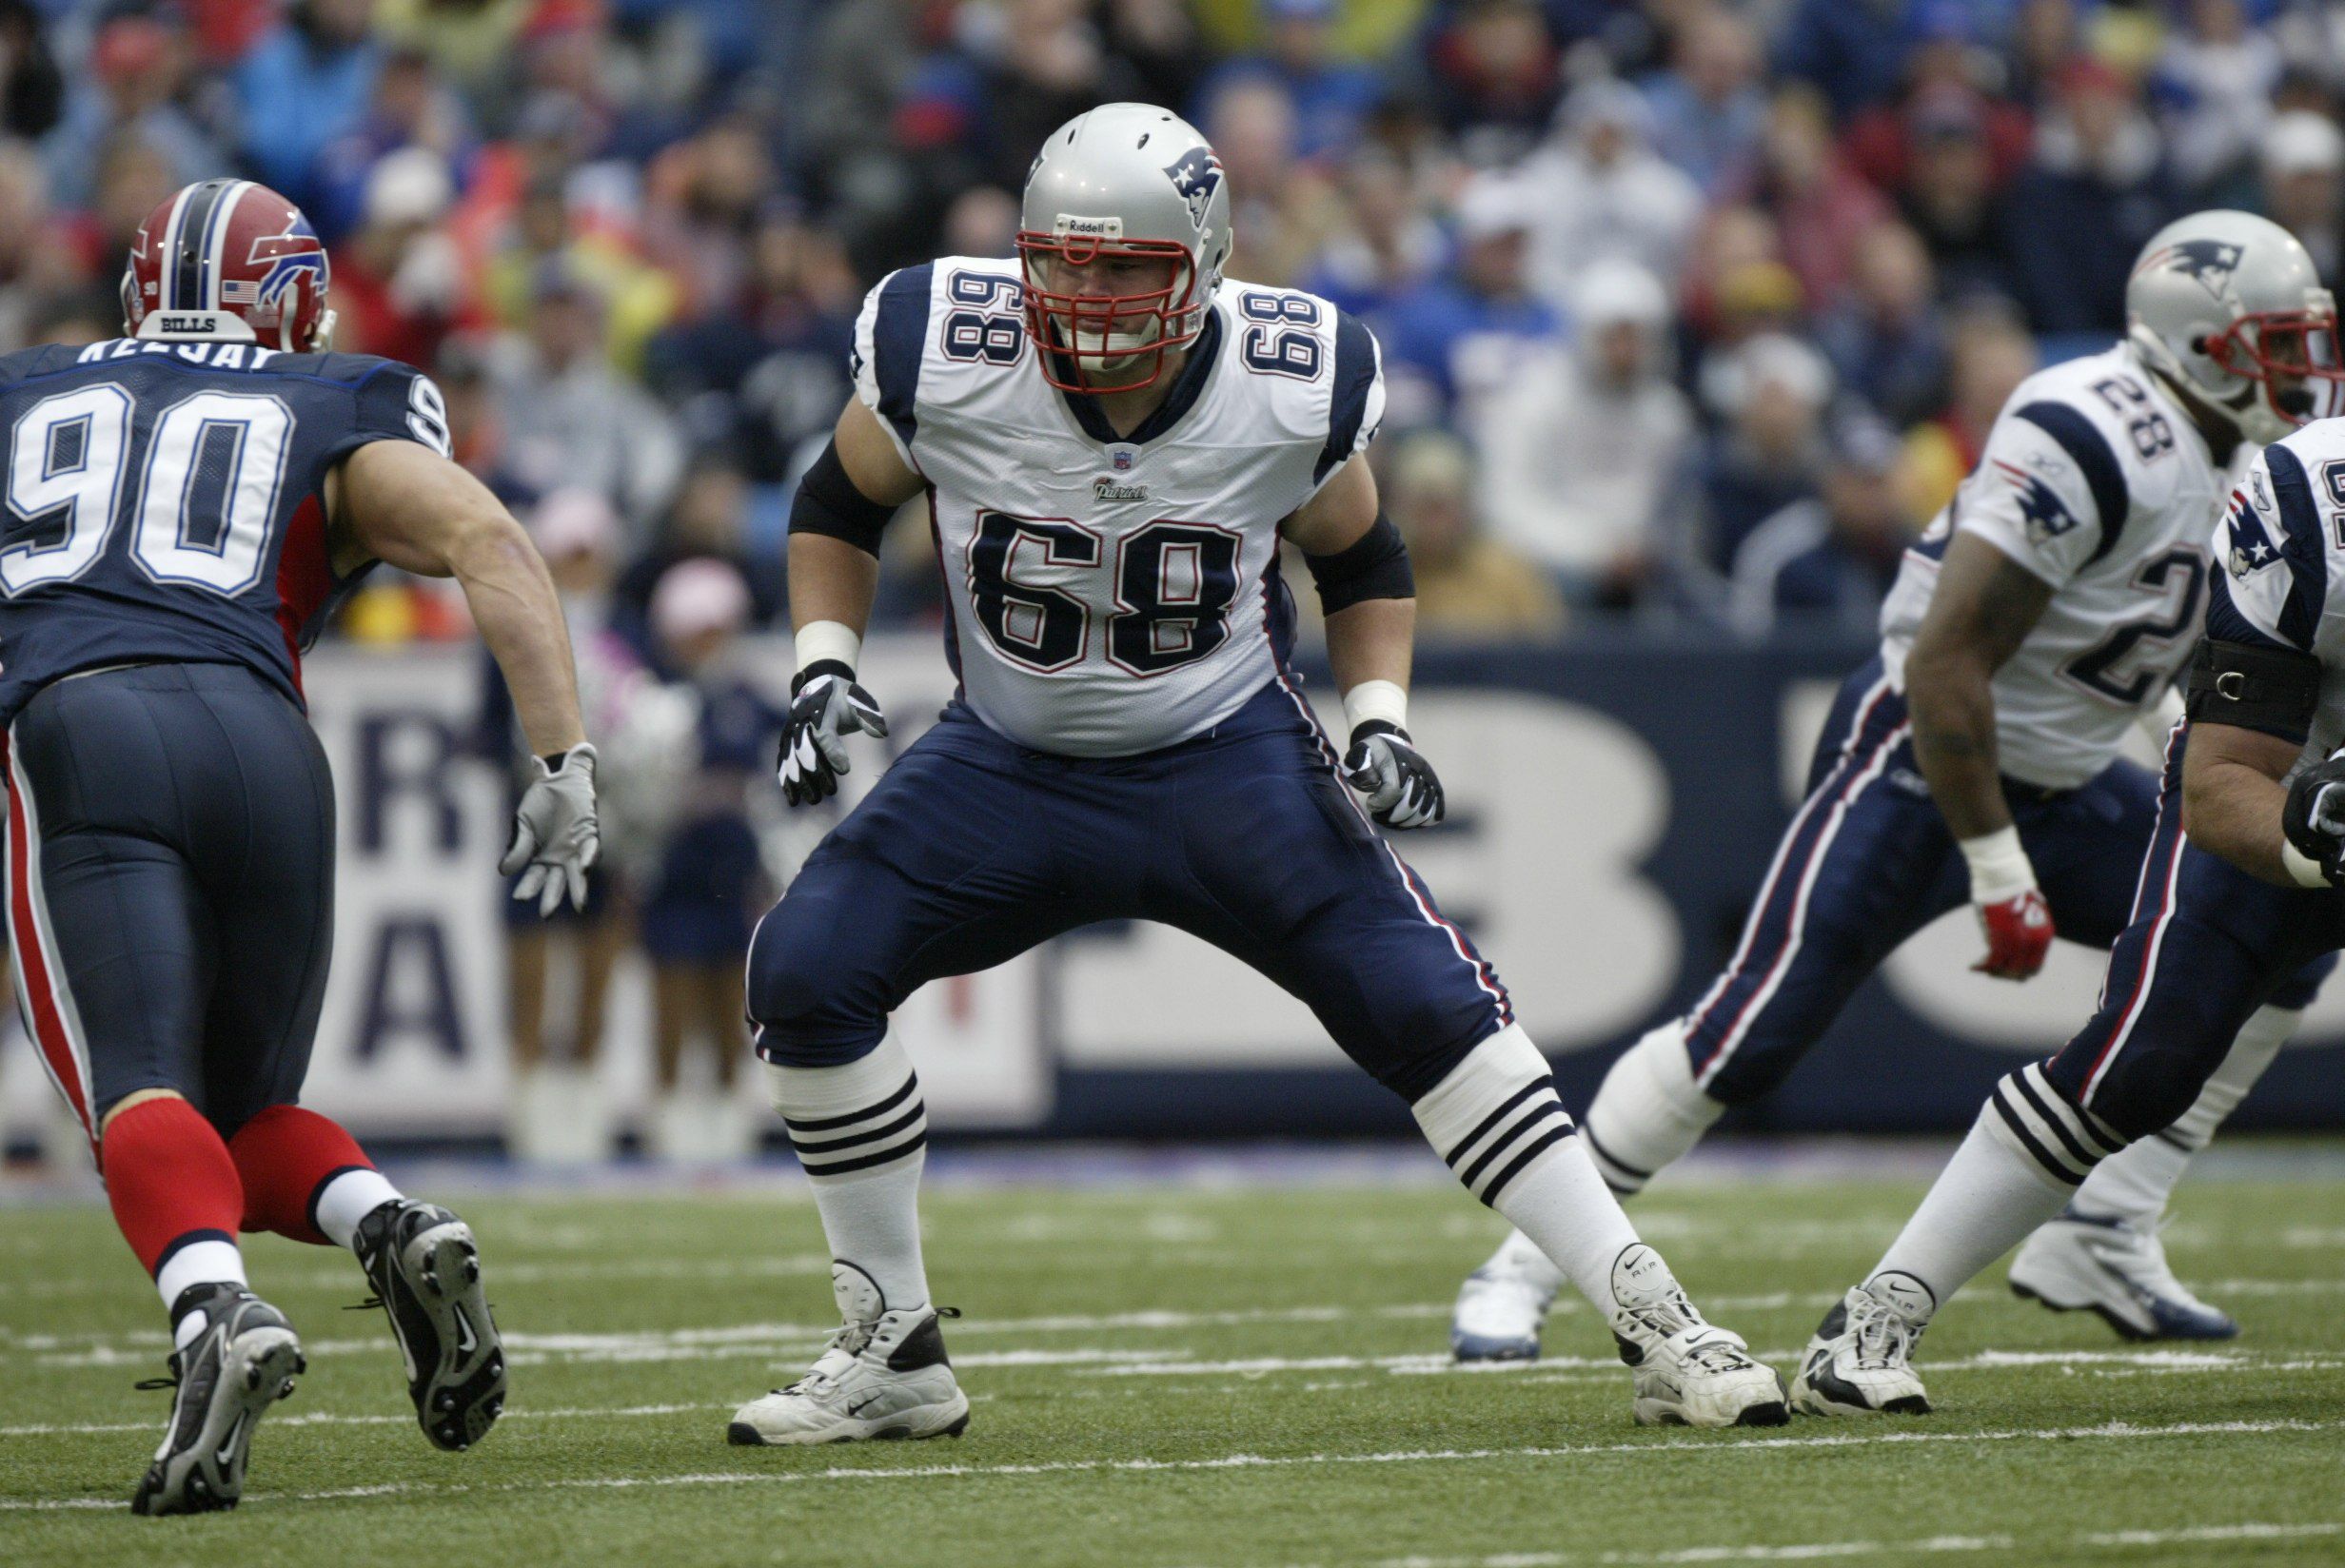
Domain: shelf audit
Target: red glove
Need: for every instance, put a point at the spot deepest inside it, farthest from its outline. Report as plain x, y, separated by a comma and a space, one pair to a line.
2011, 912
2019, 933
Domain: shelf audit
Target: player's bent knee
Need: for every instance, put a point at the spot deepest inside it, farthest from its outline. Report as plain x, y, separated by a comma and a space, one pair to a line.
808, 1005
2147, 1092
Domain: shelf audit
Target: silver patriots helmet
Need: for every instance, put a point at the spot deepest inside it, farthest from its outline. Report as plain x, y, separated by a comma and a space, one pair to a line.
1124, 190
2228, 306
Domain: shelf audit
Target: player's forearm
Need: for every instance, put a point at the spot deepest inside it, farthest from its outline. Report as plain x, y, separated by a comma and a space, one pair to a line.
2233, 809
1953, 706
833, 581
519, 618
1373, 640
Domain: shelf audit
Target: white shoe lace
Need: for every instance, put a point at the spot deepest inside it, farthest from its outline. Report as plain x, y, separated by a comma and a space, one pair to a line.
1883, 1339
838, 1355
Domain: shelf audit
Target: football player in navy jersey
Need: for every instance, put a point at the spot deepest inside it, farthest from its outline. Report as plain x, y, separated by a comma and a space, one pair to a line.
185, 504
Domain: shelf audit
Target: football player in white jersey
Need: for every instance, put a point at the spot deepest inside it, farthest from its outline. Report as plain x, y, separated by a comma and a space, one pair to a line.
1114, 438
2043, 614
2239, 893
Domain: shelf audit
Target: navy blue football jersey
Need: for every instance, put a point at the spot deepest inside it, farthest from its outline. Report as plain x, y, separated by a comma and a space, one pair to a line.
165, 501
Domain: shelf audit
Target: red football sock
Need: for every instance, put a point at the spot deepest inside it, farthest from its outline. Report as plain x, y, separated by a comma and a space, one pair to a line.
170, 1179
286, 1155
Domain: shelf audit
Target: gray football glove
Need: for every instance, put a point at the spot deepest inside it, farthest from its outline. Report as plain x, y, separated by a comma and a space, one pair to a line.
827, 706
555, 834
1400, 786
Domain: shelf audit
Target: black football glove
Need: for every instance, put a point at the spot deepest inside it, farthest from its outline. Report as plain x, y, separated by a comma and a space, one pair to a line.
1400, 786
2314, 819
825, 707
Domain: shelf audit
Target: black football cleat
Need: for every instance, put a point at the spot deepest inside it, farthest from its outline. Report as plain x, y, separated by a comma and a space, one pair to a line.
426, 1268
227, 1377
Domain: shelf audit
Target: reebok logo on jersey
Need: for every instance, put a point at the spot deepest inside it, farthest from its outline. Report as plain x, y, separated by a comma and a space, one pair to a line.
2047, 517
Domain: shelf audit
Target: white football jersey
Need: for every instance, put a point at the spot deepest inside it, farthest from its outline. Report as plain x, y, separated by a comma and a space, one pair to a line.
2279, 556
2095, 480
1111, 595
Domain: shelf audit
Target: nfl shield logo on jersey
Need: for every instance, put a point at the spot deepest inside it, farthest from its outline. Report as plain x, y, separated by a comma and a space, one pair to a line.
1120, 457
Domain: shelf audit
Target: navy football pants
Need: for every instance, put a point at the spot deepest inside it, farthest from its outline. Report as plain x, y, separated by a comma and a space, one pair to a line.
2207, 946
974, 848
170, 870
1868, 861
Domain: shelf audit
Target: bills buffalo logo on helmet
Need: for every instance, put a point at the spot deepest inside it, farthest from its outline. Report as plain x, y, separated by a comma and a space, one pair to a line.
2210, 261
295, 253
1197, 177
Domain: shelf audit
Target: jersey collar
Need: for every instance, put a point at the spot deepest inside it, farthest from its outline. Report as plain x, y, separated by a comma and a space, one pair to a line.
1187, 388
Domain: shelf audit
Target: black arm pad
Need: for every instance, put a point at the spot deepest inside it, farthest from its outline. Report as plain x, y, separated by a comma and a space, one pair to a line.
2270, 690
828, 502
1374, 566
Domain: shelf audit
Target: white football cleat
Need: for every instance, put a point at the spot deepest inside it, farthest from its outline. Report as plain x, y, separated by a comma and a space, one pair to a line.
883, 1376
1859, 1362
1686, 1372
2084, 1263
1503, 1304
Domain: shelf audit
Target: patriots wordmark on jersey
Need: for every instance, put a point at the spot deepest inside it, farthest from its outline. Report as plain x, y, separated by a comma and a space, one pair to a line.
1112, 595
165, 501
2095, 480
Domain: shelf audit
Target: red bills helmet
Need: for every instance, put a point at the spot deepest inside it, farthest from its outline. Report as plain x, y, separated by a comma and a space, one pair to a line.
229, 259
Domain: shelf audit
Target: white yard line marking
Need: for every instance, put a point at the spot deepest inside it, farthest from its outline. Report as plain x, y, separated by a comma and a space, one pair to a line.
322, 1418
1710, 1449
1814, 1551
808, 1266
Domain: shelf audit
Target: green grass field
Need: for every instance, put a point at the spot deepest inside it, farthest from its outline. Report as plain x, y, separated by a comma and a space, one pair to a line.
1207, 1373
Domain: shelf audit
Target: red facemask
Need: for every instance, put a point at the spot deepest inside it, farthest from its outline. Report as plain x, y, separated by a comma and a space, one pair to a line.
2294, 345
1077, 333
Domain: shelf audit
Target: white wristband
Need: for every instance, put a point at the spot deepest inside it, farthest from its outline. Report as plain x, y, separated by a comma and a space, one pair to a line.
1375, 699
1999, 866
822, 640
2302, 866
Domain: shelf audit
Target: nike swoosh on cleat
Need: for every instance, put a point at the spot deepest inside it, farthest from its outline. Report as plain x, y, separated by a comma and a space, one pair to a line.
226, 1454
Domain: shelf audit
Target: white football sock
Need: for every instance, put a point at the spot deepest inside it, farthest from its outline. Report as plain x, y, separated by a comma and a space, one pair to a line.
861, 1132
2138, 1182
1496, 1120
1985, 1203
198, 1263
1648, 1114
349, 1198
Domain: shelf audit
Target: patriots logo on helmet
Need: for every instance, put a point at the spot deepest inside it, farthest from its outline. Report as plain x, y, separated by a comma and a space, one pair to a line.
2210, 261
1197, 177
2252, 549
2047, 517
296, 251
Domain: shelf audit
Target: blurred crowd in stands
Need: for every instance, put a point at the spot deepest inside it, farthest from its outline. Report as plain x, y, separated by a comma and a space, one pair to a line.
1693, 312
1691, 309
